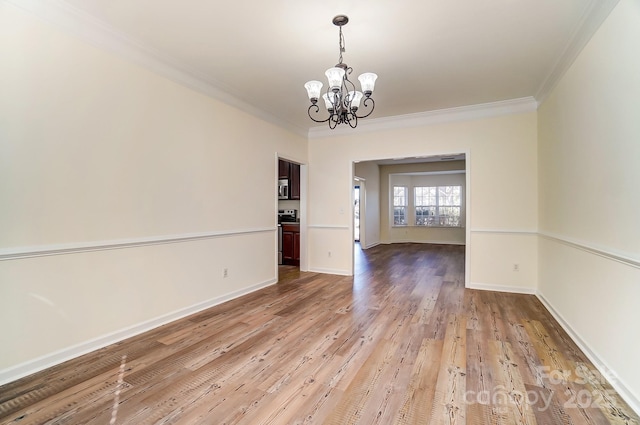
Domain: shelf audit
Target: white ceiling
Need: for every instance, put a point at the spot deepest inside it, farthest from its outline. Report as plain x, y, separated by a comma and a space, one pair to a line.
428, 54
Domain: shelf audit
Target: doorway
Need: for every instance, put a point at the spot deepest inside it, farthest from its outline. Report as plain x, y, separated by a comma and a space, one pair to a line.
291, 215
377, 225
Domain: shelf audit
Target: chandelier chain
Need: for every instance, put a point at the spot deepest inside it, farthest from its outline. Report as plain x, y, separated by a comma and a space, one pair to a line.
341, 43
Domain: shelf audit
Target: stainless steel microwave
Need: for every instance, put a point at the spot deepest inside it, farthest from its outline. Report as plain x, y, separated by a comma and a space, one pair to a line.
283, 189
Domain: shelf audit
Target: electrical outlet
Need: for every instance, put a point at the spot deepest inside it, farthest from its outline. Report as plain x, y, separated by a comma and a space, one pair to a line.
225, 272
516, 267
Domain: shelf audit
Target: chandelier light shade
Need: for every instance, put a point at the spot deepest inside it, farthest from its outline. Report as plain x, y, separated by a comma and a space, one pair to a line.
341, 98
335, 77
367, 82
328, 102
355, 97
313, 89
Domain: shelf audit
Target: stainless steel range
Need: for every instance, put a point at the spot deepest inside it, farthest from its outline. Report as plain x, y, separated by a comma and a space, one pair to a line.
287, 216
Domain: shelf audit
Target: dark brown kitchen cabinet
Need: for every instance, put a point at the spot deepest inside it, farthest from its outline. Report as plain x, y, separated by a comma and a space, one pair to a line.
296, 247
291, 244
283, 169
294, 181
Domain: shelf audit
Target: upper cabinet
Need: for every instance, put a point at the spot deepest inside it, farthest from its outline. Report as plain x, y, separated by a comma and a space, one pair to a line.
283, 169
290, 171
294, 181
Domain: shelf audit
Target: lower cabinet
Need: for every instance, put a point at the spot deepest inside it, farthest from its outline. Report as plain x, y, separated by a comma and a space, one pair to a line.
291, 244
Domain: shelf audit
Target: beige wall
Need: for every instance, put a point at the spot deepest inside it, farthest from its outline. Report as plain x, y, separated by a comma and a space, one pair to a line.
589, 158
288, 204
502, 190
95, 150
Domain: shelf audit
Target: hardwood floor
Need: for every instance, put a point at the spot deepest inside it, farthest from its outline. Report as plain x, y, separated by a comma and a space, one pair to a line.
402, 342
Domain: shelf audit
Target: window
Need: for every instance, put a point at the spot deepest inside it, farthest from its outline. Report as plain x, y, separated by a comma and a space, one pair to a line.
426, 204
438, 206
399, 205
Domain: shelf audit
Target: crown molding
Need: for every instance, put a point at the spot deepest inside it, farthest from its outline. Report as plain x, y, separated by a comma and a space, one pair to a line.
462, 113
592, 19
86, 27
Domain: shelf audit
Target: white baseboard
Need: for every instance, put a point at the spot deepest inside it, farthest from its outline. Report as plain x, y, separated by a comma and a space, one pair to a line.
602, 367
32, 366
371, 245
501, 288
331, 271
435, 242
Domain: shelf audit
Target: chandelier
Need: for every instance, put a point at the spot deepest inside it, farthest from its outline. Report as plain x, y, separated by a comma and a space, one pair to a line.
341, 99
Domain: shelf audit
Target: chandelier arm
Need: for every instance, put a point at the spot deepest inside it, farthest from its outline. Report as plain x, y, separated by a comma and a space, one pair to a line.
352, 120
347, 80
316, 111
333, 121
347, 87
366, 104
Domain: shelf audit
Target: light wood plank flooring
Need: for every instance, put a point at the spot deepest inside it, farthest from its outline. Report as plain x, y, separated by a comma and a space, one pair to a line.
402, 342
